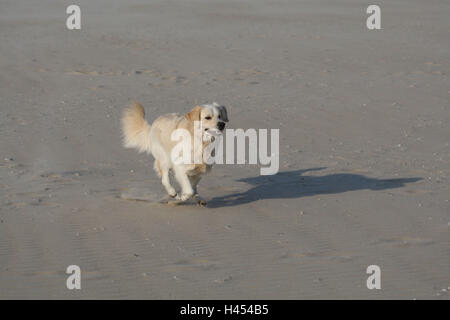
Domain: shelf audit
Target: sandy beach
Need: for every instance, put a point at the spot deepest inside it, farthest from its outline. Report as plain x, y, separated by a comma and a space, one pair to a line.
364, 175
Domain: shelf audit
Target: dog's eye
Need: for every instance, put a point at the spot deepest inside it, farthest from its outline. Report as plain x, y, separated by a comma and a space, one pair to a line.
208, 118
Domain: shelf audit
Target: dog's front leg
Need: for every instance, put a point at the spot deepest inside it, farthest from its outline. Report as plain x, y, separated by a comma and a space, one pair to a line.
186, 189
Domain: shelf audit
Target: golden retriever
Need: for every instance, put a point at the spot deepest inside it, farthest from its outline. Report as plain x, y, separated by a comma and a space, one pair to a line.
157, 139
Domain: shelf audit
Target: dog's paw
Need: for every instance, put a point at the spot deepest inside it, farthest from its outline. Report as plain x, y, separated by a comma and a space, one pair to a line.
184, 196
172, 193
200, 201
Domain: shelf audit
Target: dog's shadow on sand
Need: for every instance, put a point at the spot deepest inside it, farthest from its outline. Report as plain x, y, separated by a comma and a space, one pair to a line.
293, 184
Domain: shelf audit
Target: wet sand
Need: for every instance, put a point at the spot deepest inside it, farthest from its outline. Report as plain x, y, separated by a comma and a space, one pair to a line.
364, 150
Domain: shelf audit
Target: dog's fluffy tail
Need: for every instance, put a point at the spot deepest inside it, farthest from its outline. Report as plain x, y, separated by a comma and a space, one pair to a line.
135, 130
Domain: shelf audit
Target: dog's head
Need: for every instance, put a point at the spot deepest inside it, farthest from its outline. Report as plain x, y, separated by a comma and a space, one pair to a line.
212, 117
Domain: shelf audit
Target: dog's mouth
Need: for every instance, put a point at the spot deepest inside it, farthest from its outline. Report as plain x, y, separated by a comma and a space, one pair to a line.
211, 134
214, 131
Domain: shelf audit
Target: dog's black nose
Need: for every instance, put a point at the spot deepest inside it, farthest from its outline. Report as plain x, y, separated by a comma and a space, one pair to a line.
221, 125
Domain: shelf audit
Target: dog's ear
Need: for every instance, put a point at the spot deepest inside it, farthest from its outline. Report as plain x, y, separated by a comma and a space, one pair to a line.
223, 113
194, 114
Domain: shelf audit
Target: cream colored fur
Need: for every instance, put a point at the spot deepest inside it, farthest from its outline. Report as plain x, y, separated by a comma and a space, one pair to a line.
156, 139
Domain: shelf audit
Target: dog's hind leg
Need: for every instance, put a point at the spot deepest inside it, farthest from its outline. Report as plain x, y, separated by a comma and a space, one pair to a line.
166, 183
194, 182
165, 180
